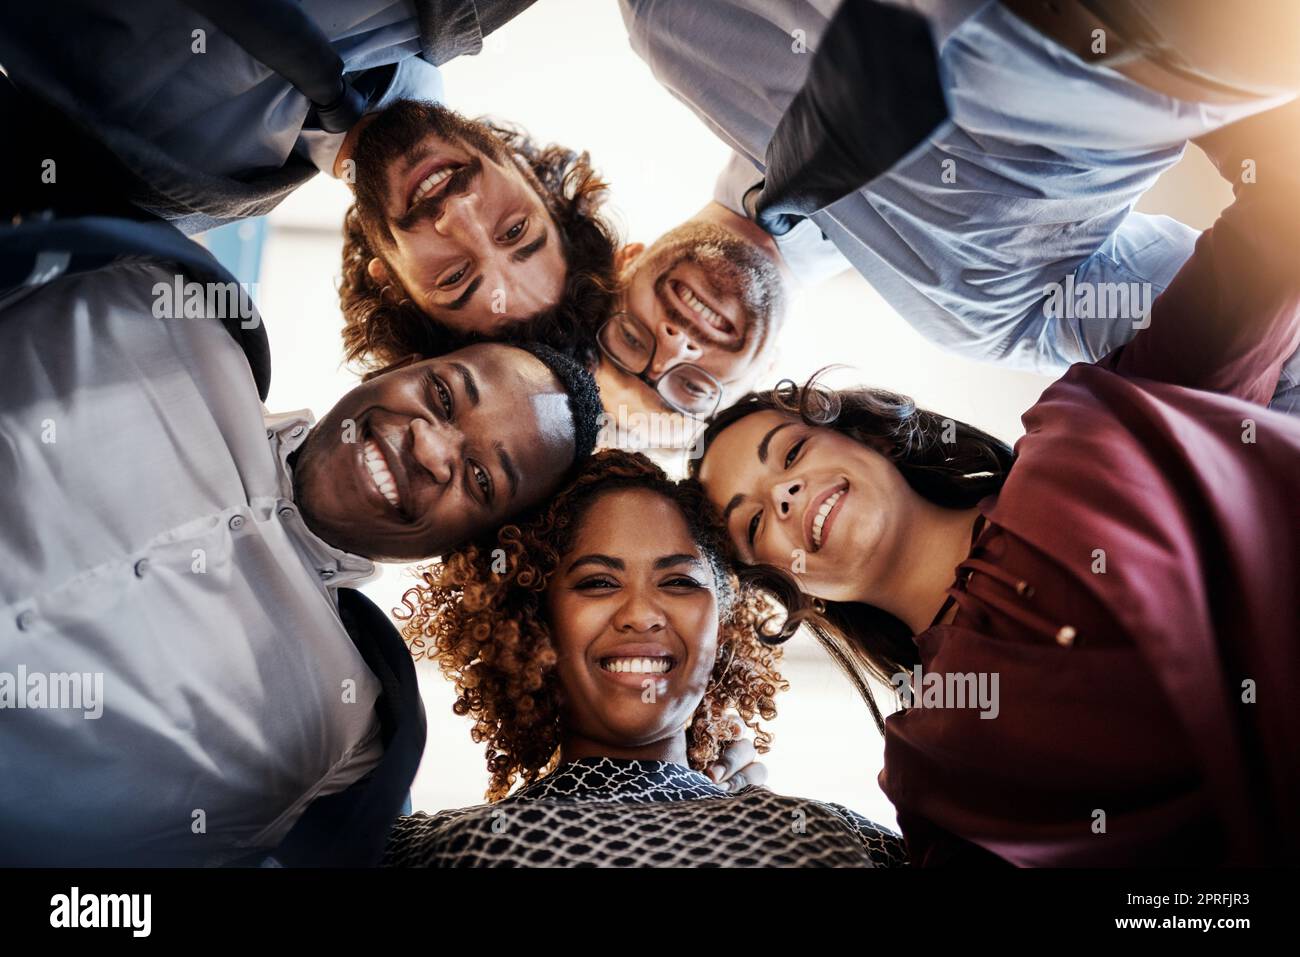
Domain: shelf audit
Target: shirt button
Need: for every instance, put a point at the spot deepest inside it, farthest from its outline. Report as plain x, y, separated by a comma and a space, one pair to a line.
26, 620
141, 567
1024, 589
297, 431
286, 511
1065, 637
236, 522
327, 573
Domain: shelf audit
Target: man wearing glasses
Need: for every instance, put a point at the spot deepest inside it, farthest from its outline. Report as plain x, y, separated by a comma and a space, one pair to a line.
698, 313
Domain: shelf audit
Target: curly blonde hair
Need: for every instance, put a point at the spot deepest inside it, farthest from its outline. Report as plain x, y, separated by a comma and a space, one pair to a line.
486, 628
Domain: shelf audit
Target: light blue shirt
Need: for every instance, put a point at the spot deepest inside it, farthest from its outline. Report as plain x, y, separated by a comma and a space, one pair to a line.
1032, 179
161, 71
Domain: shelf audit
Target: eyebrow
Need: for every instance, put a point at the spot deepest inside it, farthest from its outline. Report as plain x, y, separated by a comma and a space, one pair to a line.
508, 466
767, 440
668, 561
605, 561
608, 561
536, 245
467, 379
460, 301
762, 457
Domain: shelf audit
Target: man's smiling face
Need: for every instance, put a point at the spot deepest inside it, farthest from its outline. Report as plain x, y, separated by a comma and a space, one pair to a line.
427, 456
456, 221
704, 294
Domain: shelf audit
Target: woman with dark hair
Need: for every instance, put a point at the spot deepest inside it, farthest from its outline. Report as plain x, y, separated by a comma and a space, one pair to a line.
1125, 580
600, 648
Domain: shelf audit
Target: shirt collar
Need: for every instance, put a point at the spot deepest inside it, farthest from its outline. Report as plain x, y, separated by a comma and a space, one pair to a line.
286, 432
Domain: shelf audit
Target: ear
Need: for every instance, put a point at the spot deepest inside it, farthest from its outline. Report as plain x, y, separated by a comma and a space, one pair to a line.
378, 271
406, 360
625, 256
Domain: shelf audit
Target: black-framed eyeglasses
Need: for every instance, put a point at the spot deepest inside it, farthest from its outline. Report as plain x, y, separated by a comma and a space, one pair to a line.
687, 388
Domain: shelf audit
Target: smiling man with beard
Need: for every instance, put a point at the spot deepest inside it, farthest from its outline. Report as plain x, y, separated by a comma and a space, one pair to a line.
697, 316
464, 230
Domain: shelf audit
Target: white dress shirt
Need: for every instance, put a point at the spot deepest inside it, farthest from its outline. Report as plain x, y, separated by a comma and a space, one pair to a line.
150, 537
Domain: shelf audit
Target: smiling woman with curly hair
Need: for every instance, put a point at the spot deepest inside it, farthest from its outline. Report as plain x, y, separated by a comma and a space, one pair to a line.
600, 649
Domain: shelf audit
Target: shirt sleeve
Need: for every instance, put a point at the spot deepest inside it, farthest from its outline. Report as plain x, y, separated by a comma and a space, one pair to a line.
1145, 251
809, 255
414, 79
1231, 317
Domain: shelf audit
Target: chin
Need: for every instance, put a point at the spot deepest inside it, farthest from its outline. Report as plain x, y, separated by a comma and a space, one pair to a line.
838, 581
392, 554
631, 730
346, 543
338, 535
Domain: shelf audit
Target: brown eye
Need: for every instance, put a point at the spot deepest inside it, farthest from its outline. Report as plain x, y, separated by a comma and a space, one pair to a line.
481, 478
597, 583
631, 338
515, 231
454, 278
442, 393
683, 581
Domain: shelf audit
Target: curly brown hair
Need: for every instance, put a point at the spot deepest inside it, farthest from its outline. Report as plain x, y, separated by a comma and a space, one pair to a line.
487, 629
382, 325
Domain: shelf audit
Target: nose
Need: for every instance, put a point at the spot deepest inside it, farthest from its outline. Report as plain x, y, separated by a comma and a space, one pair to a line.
437, 448
639, 613
673, 346
784, 494
459, 218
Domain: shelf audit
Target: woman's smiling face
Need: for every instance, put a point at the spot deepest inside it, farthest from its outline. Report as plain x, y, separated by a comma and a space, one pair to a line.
633, 609
808, 500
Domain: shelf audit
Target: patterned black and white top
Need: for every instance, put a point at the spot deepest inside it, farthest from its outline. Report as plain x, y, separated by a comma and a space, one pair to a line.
606, 812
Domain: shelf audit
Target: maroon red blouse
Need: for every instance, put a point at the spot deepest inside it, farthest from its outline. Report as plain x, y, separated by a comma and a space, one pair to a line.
1136, 588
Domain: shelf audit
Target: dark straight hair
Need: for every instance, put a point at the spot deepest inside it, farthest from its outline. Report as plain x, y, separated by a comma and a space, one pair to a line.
947, 462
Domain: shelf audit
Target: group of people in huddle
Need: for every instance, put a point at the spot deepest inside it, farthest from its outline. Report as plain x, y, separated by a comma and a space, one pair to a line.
1124, 573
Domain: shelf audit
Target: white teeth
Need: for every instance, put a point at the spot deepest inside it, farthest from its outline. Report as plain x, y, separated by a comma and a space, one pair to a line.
429, 182
379, 473
640, 666
700, 309
820, 518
